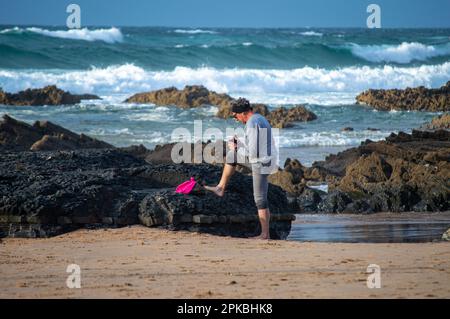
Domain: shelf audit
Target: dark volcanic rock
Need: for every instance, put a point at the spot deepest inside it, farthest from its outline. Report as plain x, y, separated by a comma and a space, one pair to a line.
42, 136
419, 99
47, 193
49, 95
403, 173
438, 123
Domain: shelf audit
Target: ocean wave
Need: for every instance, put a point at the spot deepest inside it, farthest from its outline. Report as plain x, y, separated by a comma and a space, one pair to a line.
295, 139
130, 79
194, 31
312, 34
111, 35
403, 53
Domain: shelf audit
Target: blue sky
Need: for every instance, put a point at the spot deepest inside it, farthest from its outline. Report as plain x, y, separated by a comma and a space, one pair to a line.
228, 13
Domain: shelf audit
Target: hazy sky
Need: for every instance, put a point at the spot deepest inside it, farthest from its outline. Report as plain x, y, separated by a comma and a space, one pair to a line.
228, 13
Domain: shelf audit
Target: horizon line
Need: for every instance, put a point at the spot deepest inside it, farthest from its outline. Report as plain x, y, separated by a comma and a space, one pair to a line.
222, 27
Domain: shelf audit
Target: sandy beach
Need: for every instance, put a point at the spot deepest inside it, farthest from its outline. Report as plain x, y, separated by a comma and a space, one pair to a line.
140, 262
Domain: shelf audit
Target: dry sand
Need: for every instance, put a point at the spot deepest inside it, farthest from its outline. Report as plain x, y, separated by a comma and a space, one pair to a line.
140, 262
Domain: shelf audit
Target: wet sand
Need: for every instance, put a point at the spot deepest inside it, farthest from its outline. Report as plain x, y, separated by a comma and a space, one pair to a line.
140, 262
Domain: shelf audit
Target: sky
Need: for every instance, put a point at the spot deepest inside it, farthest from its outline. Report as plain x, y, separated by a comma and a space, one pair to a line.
229, 13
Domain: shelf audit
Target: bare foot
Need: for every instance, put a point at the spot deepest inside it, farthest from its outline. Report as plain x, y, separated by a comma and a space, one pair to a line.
262, 237
219, 191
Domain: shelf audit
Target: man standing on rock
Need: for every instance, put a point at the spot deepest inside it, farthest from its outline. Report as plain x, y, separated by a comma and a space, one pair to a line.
257, 152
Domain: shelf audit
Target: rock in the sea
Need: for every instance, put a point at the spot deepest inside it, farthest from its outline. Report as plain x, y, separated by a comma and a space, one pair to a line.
347, 129
438, 123
418, 99
282, 117
198, 95
49, 95
48, 193
42, 136
190, 96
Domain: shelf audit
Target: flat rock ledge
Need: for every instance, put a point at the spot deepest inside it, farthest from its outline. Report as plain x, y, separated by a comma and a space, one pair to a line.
46, 193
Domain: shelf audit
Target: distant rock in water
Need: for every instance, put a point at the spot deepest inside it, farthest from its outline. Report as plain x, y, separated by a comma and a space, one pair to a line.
49, 193
189, 97
416, 99
437, 123
282, 117
42, 136
198, 96
49, 95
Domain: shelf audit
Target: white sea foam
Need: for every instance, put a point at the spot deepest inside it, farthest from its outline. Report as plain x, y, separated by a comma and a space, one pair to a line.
194, 31
246, 44
315, 84
294, 138
12, 30
111, 35
403, 53
312, 34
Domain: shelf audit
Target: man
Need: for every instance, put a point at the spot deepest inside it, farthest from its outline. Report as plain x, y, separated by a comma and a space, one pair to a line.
258, 152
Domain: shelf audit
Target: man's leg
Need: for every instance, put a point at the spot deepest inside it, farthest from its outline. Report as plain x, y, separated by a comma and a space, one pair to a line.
219, 190
260, 189
264, 219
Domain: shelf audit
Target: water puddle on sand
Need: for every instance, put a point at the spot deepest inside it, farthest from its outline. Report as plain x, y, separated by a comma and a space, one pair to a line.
375, 228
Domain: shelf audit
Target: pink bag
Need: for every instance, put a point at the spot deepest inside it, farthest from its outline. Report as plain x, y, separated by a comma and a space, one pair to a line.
186, 187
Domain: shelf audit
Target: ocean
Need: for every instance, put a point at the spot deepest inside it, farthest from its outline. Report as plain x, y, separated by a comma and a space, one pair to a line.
322, 68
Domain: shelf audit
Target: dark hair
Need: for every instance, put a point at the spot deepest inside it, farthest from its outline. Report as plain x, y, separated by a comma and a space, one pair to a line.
240, 105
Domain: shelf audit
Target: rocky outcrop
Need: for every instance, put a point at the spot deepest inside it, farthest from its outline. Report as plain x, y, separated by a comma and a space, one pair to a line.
437, 123
49, 95
417, 99
406, 172
198, 95
48, 193
42, 136
190, 96
283, 118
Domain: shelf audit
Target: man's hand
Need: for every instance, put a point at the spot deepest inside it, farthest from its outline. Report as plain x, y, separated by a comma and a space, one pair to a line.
232, 146
232, 143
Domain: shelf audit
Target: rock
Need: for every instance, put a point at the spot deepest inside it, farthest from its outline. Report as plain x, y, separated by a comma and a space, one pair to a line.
347, 129
282, 117
446, 235
334, 202
308, 200
290, 178
403, 173
49, 95
190, 96
42, 136
138, 151
373, 129
198, 95
45, 193
162, 154
418, 99
438, 123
